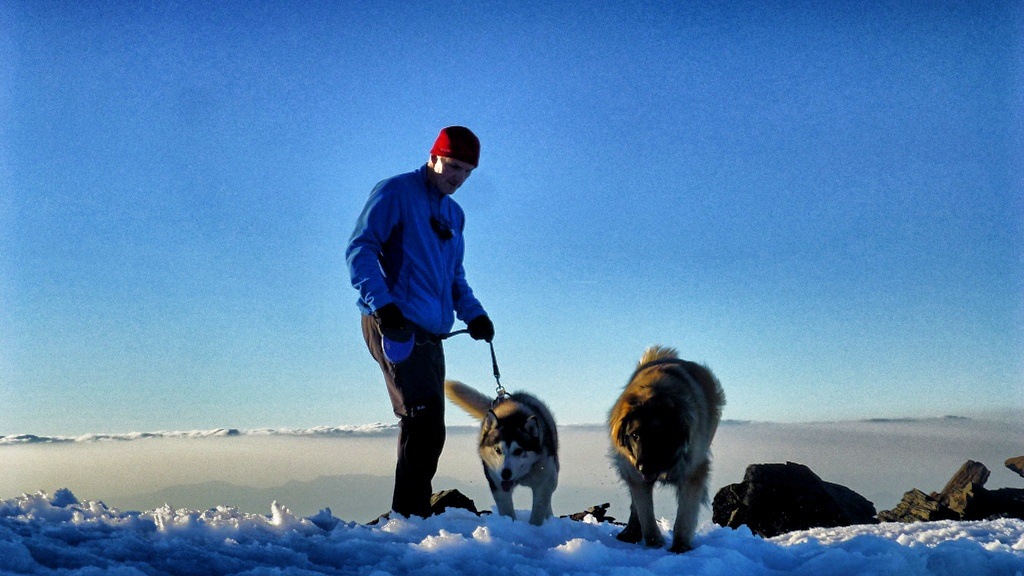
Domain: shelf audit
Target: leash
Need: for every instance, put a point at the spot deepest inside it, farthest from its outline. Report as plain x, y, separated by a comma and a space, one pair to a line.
497, 377
499, 390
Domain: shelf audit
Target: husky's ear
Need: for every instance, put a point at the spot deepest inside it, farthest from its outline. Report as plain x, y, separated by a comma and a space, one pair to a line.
532, 426
490, 421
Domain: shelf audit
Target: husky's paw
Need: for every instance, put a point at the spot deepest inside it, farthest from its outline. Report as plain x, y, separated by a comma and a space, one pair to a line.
630, 534
656, 541
679, 547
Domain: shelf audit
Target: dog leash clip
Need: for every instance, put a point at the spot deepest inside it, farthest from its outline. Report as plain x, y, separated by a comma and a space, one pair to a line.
497, 376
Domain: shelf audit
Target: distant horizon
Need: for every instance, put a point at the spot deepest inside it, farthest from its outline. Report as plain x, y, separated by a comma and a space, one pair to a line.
879, 460
384, 428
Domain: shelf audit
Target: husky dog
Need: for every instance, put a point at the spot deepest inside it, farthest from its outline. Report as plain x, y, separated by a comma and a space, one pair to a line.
661, 430
518, 445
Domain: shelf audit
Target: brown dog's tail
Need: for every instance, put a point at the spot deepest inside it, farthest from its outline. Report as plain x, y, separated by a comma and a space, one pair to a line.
655, 353
470, 400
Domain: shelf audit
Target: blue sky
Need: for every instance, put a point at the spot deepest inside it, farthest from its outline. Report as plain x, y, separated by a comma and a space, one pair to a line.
823, 203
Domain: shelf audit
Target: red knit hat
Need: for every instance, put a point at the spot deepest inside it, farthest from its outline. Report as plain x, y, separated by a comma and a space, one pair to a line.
457, 142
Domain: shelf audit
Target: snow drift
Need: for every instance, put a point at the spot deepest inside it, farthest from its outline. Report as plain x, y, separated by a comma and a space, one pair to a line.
58, 534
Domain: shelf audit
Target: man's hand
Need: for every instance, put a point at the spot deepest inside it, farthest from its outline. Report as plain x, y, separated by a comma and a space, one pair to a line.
481, 328
390, 317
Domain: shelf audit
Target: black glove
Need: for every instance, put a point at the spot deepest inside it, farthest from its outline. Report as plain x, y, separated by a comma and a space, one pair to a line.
481, 328
390, 317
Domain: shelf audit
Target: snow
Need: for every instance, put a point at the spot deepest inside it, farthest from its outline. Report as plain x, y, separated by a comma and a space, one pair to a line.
318, 431
59, 534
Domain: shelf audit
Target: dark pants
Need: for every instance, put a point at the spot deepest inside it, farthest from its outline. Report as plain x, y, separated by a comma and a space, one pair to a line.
416, 388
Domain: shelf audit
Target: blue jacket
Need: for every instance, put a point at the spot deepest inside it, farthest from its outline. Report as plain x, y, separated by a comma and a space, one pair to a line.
395, 254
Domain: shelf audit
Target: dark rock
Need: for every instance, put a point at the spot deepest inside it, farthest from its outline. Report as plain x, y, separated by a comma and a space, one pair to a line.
1007, 503
964, 498
970, 473
777, 498
598, 511
441, 501
725, 507
967, 502
917, 506
856, 508
965, 494
1016, 464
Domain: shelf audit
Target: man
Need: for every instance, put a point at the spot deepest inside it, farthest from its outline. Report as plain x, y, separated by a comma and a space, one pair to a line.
405, 259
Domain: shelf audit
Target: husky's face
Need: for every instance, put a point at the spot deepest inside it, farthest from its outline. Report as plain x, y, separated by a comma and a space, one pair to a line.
655, 440
509, 447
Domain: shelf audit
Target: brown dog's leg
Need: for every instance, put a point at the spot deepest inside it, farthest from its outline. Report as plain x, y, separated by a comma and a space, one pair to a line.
643, 504
631, 533
690, 494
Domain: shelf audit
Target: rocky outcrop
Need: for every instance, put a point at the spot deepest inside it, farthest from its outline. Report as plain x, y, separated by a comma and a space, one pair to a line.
445, 499
441, 501
598, 511
963, 498
917, 506
777, 498
1016, 464
774, 499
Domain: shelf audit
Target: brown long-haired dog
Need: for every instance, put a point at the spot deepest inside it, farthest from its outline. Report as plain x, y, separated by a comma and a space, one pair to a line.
661, 430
